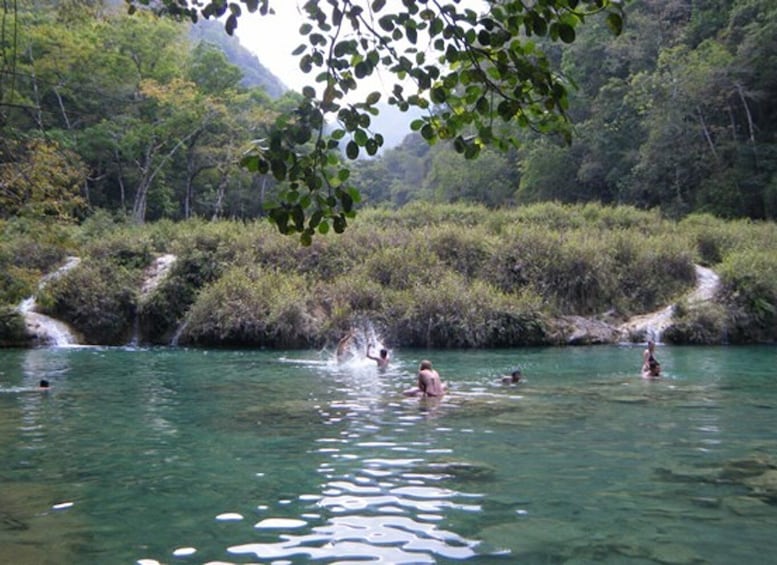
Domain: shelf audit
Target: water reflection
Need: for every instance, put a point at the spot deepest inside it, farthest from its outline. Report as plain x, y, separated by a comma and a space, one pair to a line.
372, 506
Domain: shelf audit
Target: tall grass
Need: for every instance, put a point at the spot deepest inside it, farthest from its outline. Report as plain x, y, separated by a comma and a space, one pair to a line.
426, 275
251, 307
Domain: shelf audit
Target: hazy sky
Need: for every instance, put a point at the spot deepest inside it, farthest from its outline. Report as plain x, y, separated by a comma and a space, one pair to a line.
273, 37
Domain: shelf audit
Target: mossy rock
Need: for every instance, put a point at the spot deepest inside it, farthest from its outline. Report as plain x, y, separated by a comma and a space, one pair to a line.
13, 330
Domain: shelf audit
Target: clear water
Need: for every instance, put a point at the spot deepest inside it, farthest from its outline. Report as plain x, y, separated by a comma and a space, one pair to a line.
190, 456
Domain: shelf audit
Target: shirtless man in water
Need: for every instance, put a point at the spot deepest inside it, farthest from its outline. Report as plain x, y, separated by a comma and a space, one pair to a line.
429, 382
382, 361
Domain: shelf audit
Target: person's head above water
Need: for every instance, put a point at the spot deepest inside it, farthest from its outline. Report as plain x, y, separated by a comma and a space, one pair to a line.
43, 383
515, 377
383, 353
426, 365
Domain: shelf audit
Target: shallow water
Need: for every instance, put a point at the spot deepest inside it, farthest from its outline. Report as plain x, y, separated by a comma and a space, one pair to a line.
191, 456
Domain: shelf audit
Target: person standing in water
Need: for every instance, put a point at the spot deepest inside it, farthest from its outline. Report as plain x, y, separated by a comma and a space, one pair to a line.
429, 382
651, 368
382, 360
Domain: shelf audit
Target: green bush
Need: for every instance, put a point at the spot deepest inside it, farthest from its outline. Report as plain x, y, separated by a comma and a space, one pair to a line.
749, 291
97, 299
651, 271
252, 308
465, 251
161, 314
346, 299
697, 324
571, 270
402, 267
455, 275
127, 247
453, 314
16, 283
13, 331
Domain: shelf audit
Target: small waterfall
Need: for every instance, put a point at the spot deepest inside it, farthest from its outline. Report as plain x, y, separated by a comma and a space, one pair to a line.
153, 276
177, 335
46, 330
652, 325
155, 273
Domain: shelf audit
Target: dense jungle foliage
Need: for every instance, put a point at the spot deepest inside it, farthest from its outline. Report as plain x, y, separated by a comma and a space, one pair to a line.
425, 276
101, 110
678, 113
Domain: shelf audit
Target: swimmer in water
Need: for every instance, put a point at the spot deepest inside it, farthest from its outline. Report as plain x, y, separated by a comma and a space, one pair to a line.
382, 360
651, 368
44, 385
513, 378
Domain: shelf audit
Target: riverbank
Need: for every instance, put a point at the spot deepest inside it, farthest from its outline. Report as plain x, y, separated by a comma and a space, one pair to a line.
424, 276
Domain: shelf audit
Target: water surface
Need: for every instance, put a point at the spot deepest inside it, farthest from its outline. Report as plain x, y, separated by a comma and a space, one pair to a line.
191, 456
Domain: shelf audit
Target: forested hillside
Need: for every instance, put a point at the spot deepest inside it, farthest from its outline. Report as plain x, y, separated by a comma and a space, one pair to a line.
255, 74
679, 113
101, 110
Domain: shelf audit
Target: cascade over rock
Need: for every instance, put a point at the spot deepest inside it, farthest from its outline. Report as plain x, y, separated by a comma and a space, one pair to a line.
653, 324
45, 330
578, 330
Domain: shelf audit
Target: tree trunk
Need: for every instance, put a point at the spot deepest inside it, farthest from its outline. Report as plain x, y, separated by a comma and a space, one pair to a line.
705, 130
750, 126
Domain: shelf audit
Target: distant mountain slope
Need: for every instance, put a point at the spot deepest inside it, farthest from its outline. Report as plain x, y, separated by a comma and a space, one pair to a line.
254, 73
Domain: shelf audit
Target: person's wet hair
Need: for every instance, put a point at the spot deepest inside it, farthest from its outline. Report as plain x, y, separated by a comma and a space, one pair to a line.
43, 383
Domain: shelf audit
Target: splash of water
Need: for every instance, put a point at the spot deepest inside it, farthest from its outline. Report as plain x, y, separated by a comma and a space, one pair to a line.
352, 349
46, 330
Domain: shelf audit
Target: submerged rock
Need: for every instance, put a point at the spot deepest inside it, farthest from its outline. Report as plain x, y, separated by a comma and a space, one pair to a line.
764, 486
461, 470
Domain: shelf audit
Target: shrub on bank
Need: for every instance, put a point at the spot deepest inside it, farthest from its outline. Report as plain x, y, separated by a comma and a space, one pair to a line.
341, 301
454, 314
252, 308
127, 247
749, 292
716, 239
446, 275
29, 250
13, 332
651, 271
465, 251
697, 324
162, 313
97, 298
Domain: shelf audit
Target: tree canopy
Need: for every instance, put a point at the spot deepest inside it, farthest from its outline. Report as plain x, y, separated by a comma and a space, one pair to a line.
472, 71
147, 118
